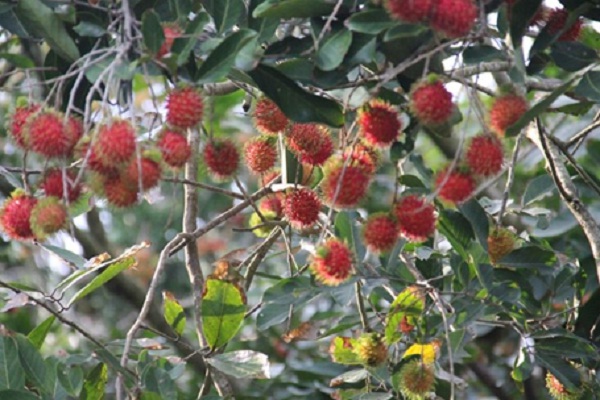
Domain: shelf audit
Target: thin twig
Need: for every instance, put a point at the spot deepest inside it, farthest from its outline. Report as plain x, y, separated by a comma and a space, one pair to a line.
510, 179
360, 305
201, 185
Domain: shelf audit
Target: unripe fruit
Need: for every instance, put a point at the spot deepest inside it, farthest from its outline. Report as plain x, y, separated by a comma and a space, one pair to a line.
46, 134
260, 154
501, 242
15, 215
558, 391
184, 107
53, 185
431, 103
47, 217
332, 263
485, 156
363, 156
410, 10
268, 118
115, 143
342, 186
557, 20
255, 220
454, 186
380, 233
174, 148
301, 208
416, 218
150, 173
370, 349
221, 158
379, 123
17, 121
505, 111
454, 18
416, 379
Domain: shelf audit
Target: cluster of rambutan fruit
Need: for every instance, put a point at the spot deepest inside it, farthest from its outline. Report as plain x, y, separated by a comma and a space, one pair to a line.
456, 18
117, 166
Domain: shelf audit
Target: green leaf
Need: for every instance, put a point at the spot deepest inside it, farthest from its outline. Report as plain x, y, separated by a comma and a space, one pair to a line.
266, 27
333, 49
458, 230
95, 383
343, 228
222, 58
402, 31
11, 178
372, 21
18, 60
482, 53
223, 309
538, 109
70, 257
183, 46
406, 308
353, 376
293, 9
572, 347
32, 362
157, 380
572, 56
521, 14
152, 31
41, 21
81, 206
538, 188
89, 29
589, 86
225, 13
38, 334
342, 351
71, 378
17, 394
110, 272
411, 181
278, 299
528, 257
575, 109
589, 313
476, 215
242, 364
296, 103
10, 21
174, 313
12, 375
561, 369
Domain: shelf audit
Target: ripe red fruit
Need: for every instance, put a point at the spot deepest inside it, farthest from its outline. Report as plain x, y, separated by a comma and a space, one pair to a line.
332, 263
557, 20
505, 111
269, 176
301, 208
15, 215
47, 217
416, 218
260, 154
344, 188
454, 18
115, 143
454, 186
150, 173
416, 379
379, 123
311, 143
271, 204
119, 193
53, 185
17, 121
74, 130
485, 155
174, 148
268, 118
363, 156
184, 107
171, 32
410, 10
431, 103
380, 233
221, 158
46, 134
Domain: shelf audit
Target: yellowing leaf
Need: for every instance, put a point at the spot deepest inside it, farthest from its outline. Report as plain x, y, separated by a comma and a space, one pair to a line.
428, 352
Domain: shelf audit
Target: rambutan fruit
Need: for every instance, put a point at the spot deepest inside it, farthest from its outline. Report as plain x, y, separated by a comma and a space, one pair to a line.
174, 148
416, 218
454, 186
53, 184
260, 154
185, 107
485, 155
48, 217
332, 262
430, 102
379, 123
268, 118
301, 208
380, 233
344, 186
221, 158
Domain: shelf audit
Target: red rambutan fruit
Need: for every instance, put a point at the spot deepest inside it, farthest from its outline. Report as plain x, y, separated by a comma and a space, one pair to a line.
379, 123
416, 218
185, 107
221, 158
332, 263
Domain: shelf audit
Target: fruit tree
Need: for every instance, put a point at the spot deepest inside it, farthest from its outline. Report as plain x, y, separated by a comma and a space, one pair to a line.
291, 199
